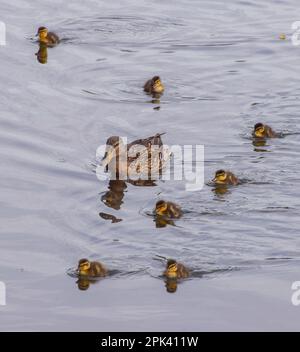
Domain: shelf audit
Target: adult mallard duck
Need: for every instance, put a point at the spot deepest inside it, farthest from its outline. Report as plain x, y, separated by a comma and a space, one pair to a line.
142, 159
263, 131
91, 269
154, 86
223, 177
48, 38
175, 270
168, 209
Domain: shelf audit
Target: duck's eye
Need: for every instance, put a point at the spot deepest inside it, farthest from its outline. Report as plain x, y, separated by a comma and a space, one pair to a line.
157, 81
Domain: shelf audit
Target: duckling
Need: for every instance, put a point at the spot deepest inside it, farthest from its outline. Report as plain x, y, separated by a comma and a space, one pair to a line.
154, 85
263, 131
91, 269
175, 270
48, 38
168, 209
223, 177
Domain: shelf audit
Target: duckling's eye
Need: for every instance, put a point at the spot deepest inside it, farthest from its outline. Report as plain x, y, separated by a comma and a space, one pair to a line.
157, 81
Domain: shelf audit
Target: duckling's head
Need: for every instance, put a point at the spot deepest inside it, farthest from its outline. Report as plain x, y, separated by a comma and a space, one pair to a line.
42, 33
113, 146
83, 266
172, 268
161, 207
158, 87
259, 130
220, 176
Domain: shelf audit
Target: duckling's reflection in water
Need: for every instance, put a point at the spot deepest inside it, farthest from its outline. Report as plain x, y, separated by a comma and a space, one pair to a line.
113, 198
161, 221
42, 54
258, 143
83, 284
171, 285
156, 98
220, 190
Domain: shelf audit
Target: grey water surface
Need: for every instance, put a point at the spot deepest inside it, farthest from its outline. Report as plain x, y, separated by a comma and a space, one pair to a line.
224, 68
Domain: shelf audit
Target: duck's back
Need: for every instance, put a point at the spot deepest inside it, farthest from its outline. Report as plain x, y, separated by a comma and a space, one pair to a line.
233, 180
270, 132
97, 269
52, 38
148, 86
182, 271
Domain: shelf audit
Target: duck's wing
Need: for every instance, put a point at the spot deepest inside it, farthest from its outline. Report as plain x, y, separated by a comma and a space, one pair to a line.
147, 142
148, 165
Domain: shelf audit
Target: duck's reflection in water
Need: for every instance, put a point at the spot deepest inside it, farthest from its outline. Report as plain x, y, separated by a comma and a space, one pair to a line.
161, 221
113, 198
258, 143
220, 190
83, 283
42, 54
171, 285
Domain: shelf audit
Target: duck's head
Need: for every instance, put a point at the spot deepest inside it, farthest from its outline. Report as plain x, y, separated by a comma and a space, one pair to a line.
157, 85
172, 268
259, 130
42, 33
113, 146
220, 176
161, 207
83, 266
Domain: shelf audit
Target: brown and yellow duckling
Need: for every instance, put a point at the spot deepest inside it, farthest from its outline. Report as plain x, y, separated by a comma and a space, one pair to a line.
48, 38
175, 270
223, 177
91, 269
263, 131
168, 209
154, 86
